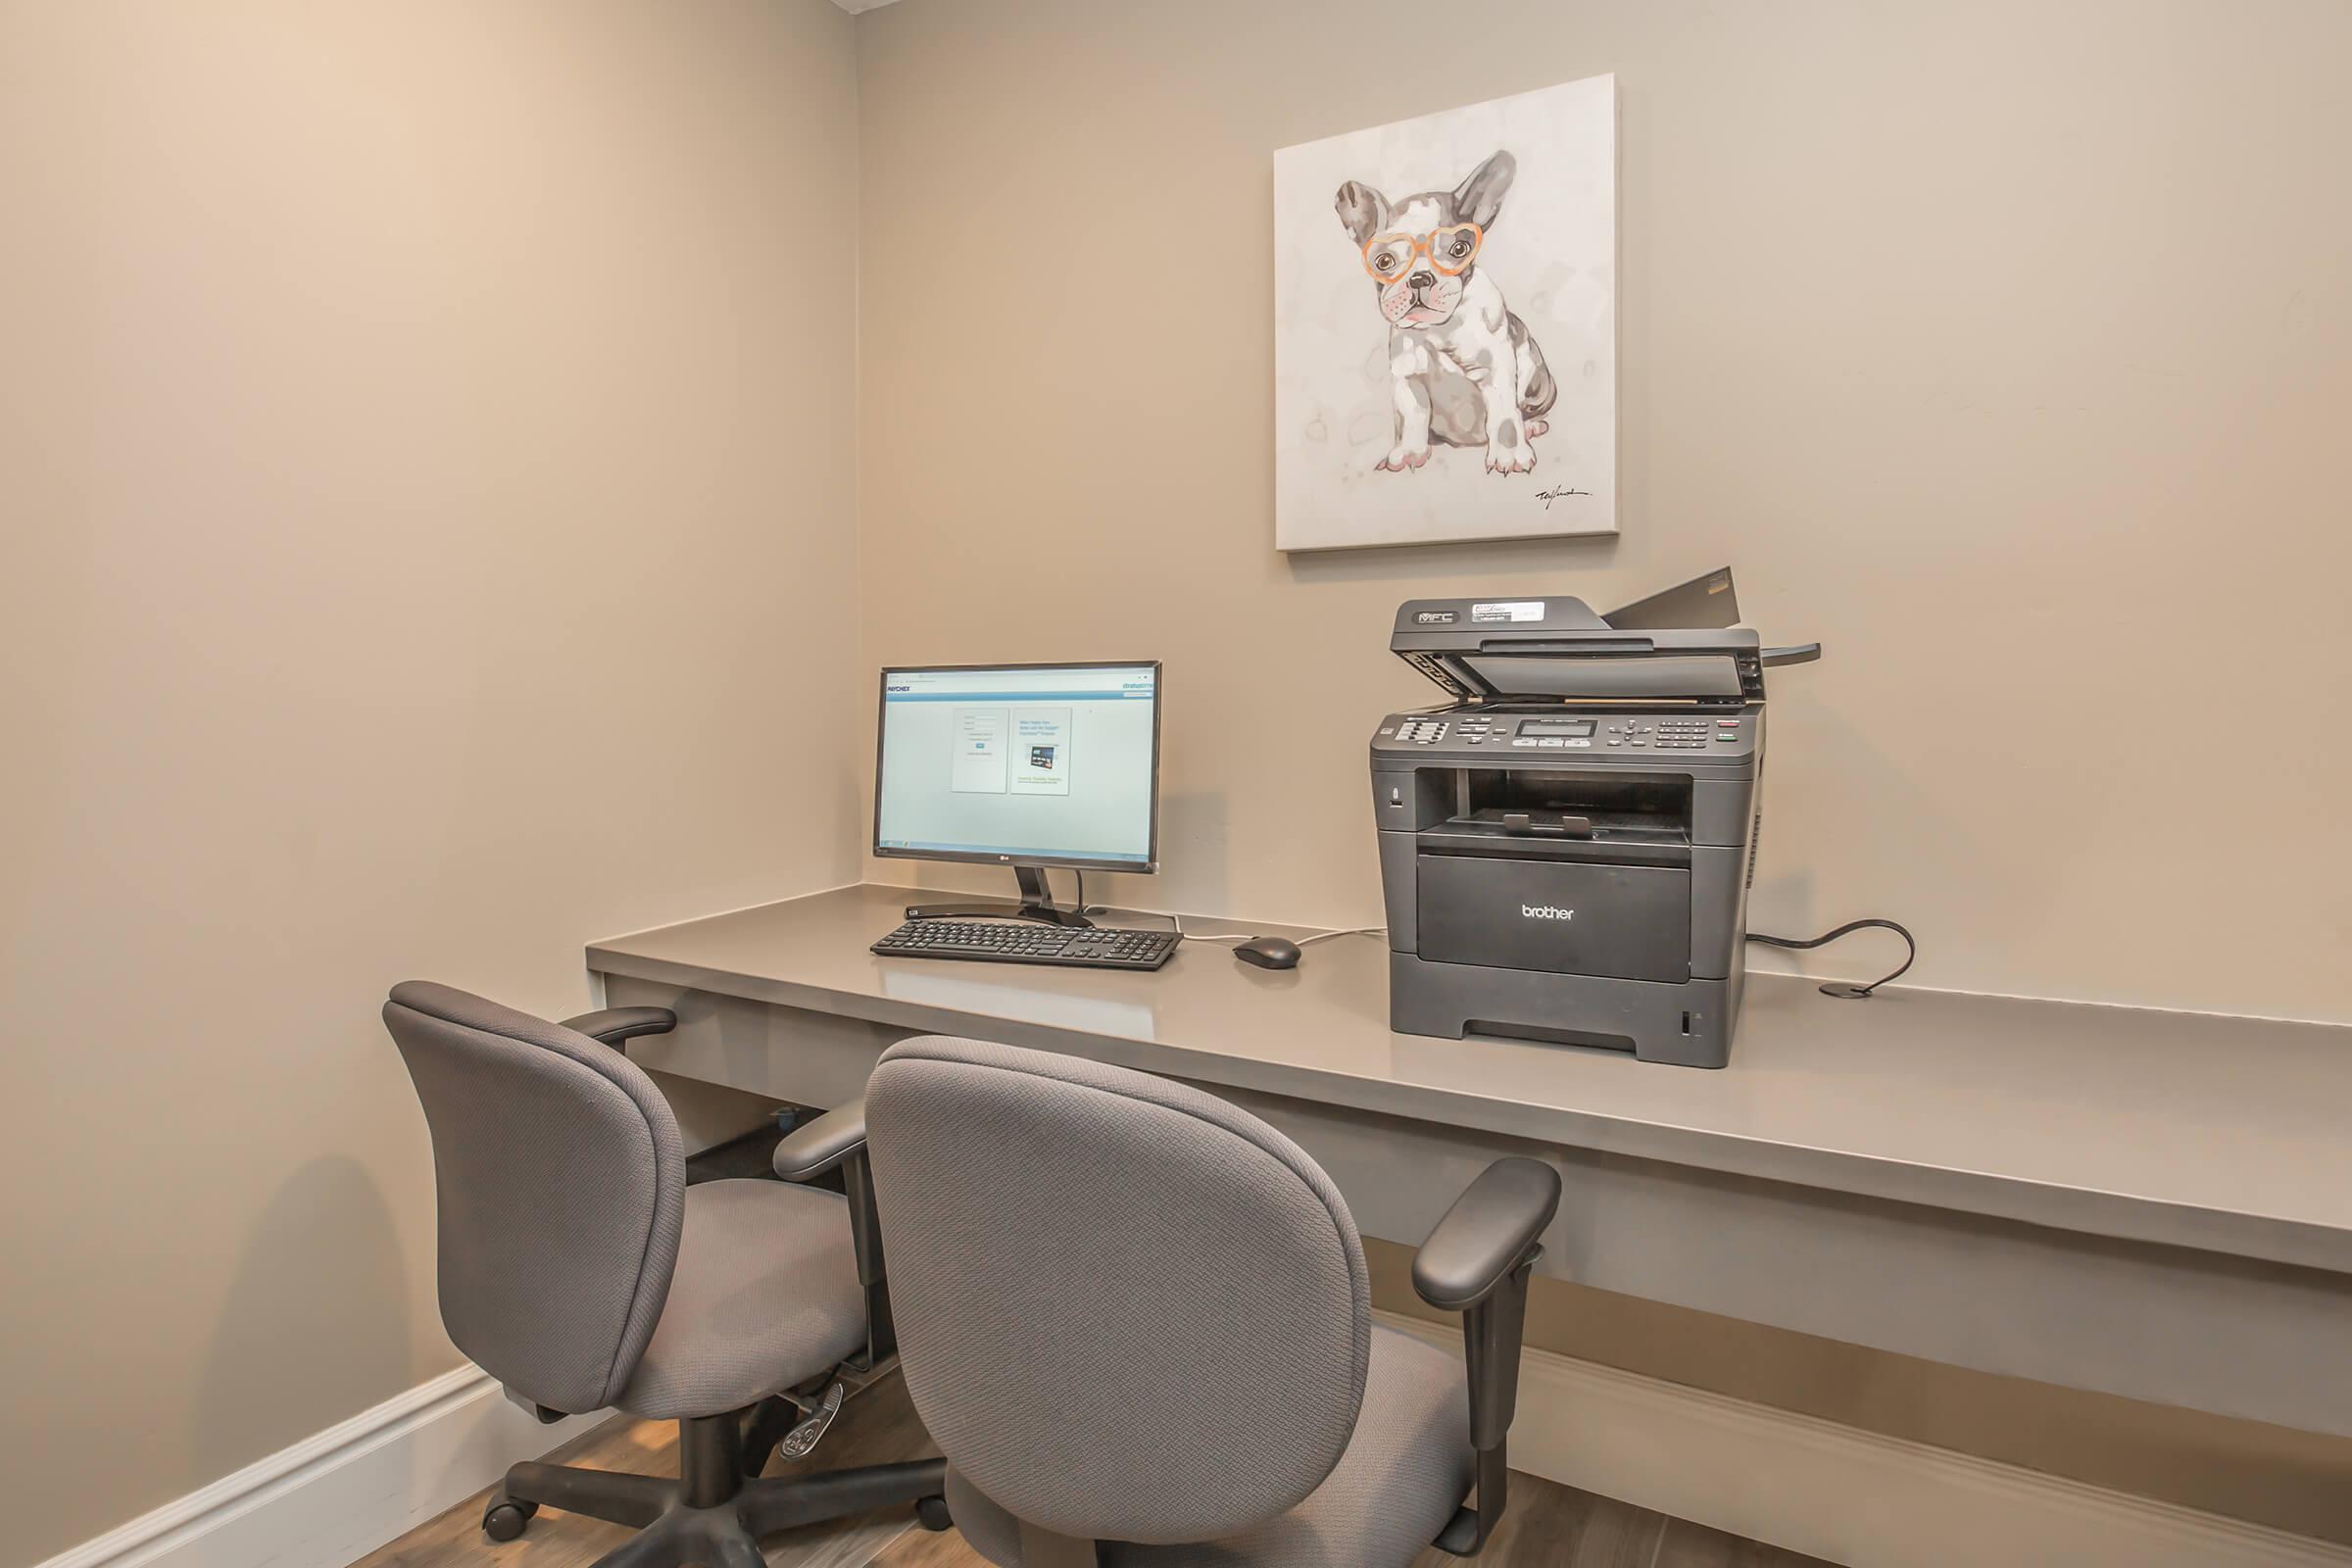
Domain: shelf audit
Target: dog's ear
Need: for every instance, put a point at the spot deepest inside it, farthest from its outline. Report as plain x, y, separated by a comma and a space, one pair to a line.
1362, 211
1478, 199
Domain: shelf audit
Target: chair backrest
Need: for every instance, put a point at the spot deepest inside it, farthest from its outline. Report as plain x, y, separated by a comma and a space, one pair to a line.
1126, 1310
562, 1186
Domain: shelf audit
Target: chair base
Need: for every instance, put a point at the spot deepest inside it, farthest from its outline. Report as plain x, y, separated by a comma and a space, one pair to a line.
712, 1513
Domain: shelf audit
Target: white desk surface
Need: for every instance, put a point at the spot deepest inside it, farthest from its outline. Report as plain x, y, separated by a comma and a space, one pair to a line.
2228, 1135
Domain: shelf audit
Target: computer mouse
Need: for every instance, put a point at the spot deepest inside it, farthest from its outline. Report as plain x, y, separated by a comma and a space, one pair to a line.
1269, 952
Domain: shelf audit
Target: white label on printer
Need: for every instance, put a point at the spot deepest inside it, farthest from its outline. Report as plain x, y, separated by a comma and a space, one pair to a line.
1516, 610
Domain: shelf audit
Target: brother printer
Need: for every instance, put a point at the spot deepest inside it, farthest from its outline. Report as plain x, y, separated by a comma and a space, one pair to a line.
1566, 847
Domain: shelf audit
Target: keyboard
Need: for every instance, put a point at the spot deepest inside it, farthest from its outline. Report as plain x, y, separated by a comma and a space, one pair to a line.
1027, 942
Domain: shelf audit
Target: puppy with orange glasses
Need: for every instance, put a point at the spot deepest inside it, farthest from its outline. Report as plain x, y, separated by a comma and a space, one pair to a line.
1463, 368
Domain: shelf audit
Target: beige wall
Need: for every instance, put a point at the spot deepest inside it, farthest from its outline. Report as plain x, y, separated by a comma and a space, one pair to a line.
427, 511
402, 402
2005, 348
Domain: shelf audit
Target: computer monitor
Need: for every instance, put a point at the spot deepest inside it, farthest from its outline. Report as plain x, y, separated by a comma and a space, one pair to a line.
1026, 766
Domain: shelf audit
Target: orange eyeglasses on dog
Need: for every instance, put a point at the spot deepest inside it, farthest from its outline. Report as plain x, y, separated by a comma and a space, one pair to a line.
1389, 257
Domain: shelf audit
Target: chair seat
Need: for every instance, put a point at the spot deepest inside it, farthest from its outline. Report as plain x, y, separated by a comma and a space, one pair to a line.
765, 1296
1408, 1466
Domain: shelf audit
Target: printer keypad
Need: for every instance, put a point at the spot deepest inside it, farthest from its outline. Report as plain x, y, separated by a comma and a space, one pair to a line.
1421, 732
1683, 734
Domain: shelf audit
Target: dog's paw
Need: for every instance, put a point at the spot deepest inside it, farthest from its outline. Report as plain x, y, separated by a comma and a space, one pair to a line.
1517, 458
1402, 457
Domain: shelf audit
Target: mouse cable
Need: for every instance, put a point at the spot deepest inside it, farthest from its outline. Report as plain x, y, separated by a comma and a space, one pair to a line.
1841, 989
1351, 931
1235, 937
1175, 920
1231, 938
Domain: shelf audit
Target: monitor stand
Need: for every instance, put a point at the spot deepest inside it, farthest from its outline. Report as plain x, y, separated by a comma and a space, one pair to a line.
1037, 903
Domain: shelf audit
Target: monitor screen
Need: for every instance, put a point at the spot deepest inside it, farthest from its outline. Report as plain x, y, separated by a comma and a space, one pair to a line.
1042, 764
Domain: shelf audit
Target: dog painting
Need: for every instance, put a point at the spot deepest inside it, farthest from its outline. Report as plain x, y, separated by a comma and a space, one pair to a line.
1476, 398
1462, 367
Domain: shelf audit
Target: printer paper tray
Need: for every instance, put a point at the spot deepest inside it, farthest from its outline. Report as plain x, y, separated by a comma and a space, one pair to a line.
1625, 922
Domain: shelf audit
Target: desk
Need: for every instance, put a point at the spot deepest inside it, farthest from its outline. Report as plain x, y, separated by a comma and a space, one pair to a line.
2155, 1205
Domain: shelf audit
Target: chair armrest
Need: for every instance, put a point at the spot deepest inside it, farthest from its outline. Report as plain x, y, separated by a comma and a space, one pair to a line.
614, 1025
1486, 1234
1475, 1262
814, 1147
834, 1141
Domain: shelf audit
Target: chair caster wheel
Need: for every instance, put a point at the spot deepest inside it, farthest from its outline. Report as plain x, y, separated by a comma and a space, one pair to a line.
504, 1518
932, 1513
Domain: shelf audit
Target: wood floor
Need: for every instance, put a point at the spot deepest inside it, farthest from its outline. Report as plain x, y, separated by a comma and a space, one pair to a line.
1546, 1525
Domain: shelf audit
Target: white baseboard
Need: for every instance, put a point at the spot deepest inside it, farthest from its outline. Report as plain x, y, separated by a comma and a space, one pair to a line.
1841, 1493
339, 1494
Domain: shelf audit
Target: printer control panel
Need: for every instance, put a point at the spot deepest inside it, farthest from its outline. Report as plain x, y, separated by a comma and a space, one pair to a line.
1667, 734
1515, 734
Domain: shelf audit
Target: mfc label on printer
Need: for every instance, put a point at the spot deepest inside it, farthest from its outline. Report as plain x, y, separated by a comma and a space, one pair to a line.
1515, 609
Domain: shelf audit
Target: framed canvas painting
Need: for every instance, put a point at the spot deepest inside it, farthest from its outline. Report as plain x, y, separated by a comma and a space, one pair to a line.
1446, 326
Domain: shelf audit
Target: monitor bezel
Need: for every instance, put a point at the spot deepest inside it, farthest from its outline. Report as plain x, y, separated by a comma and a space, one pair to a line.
976, 857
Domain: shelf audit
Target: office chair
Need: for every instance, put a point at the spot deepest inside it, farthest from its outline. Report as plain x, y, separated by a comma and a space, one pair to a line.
579, 1268
1137, 1321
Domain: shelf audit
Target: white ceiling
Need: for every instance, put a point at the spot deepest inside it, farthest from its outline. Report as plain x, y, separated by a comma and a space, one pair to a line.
852, 7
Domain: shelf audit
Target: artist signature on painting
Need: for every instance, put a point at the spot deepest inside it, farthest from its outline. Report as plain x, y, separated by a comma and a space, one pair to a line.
1557, 493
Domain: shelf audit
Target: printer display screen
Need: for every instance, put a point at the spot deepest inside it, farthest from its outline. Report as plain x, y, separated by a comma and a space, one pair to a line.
1556, 727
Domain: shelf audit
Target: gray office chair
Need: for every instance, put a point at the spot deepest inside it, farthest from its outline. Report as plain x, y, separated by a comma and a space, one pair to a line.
579, 1268
1137, 1321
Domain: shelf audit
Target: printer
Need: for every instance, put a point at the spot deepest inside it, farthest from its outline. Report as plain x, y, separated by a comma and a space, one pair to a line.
1566, 845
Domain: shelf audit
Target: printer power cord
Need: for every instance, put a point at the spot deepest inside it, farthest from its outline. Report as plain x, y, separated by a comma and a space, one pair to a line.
1843, 989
